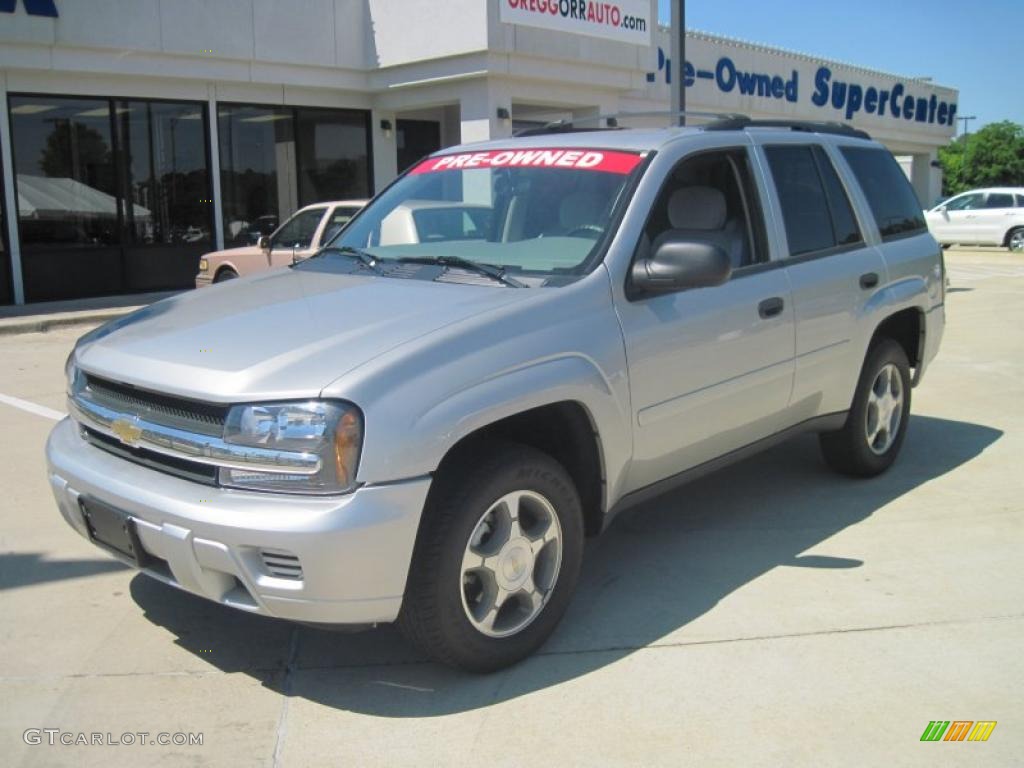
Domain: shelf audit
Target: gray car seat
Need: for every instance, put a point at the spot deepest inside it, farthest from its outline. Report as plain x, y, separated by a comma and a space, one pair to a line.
699, 213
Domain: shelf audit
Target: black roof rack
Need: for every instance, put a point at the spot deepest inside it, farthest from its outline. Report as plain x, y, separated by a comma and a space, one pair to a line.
738, 123
719, 122
612, 121
564, 126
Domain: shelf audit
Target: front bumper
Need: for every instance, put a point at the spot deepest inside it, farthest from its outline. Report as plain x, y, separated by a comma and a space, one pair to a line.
353, 550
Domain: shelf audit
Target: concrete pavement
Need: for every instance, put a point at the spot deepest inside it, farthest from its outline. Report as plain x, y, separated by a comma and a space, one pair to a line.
770, 614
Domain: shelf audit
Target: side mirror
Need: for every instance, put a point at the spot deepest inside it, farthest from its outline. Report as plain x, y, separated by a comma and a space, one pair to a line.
263, 243
677, 265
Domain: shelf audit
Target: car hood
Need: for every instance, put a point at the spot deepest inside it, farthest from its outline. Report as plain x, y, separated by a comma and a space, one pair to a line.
276, 335
234, 253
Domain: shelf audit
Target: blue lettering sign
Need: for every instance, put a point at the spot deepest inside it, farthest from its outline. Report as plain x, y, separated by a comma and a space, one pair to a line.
32, 7
848, 98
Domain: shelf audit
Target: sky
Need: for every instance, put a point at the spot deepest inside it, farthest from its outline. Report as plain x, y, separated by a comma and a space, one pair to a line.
971, 45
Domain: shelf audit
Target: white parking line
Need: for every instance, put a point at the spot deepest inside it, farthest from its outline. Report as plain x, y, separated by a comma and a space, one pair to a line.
38, 410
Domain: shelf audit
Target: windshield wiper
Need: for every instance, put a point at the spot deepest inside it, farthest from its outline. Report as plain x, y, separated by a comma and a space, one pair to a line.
365, 258
495, 273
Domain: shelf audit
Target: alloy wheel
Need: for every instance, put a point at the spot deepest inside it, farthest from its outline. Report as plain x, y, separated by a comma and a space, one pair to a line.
511, 563
884, 413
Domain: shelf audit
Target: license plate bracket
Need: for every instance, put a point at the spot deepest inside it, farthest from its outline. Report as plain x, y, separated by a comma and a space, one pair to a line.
113, 530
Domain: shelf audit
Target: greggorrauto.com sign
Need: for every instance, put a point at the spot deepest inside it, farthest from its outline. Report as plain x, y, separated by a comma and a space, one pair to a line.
626, 21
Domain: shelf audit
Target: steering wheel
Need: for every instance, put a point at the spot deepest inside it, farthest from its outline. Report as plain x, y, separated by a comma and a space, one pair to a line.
584, 230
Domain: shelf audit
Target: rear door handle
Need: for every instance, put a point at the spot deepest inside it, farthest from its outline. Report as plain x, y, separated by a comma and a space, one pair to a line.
770, 307
869, 280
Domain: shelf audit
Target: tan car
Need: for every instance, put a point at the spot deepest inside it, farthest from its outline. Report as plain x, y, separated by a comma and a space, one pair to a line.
298, 238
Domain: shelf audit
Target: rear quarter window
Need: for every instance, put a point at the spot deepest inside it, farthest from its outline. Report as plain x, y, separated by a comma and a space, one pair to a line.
893, 202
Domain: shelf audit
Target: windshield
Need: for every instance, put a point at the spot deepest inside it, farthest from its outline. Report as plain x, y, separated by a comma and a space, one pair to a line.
532, 211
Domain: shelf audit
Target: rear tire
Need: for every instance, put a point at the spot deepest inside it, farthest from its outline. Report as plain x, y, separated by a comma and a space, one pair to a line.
869, 442
1015, 240
225, 274
484, 592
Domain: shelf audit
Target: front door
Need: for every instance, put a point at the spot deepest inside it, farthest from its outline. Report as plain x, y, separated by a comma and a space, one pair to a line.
957, 223
711, 369
294, 240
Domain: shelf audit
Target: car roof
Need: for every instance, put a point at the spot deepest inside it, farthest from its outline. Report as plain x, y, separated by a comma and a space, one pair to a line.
330, 203
422, 205
983, 190
636, 139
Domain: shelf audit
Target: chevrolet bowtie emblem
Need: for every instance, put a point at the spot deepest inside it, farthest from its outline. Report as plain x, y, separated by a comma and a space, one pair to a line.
127, 430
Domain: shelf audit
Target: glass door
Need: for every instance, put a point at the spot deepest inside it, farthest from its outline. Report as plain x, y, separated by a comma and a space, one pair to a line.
68, 204
166, 210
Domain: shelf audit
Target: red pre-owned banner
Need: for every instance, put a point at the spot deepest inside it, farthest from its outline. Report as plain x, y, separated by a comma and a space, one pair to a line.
577, 159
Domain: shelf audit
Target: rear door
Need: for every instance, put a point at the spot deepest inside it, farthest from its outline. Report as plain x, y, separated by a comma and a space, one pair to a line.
710, 369
831, 267
995, 218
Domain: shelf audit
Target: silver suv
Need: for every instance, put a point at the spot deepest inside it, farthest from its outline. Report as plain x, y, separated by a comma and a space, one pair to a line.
423, 429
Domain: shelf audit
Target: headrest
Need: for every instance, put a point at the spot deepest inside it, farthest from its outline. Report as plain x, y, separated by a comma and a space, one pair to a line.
578, 209
696, 208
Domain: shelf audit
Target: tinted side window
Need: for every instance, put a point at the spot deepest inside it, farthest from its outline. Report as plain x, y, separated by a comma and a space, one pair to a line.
893, 202
1020, 201
965, 202
802, 198
999, 200
843, 221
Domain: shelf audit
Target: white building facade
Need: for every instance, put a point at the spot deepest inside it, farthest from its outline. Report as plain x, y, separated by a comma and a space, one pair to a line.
137, 134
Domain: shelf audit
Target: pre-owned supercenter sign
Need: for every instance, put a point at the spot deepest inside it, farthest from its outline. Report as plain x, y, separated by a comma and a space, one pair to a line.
627, 21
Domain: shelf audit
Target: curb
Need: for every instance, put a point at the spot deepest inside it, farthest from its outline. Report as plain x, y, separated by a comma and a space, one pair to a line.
15, 326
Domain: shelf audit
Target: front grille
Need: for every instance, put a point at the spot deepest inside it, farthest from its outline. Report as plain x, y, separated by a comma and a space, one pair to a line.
170, 411
189, 470
281, 564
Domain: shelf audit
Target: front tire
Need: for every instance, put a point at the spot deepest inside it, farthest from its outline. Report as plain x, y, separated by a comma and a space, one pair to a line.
496, 559
869, 442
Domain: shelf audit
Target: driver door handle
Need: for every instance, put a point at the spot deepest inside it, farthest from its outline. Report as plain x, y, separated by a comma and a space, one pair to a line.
771, 307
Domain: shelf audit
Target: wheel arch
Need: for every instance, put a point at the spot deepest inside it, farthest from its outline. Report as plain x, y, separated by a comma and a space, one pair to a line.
226, 266
564, 430
907, 328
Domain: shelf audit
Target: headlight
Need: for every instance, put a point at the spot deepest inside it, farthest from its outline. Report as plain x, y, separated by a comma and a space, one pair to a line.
204, 265
332, 431
73, 376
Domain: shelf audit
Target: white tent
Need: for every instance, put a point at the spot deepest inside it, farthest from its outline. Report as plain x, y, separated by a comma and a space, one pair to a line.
41, 197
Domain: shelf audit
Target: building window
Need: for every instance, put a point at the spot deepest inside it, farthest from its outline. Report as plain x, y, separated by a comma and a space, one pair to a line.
166, 172
275, 160
113, 196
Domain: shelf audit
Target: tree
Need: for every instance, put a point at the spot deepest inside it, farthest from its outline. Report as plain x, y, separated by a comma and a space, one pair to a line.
991, 157
75, 151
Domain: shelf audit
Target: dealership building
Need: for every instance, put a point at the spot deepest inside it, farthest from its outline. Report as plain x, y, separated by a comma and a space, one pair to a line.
136, 136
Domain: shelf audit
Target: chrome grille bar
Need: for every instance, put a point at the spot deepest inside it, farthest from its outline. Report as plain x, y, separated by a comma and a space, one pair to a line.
180, 444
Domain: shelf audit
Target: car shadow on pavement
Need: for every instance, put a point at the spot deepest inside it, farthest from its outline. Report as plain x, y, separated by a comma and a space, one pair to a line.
658, 568
23, 569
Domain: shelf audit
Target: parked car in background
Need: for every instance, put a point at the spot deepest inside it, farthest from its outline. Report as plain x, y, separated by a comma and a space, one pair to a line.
298, 238
981, 217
